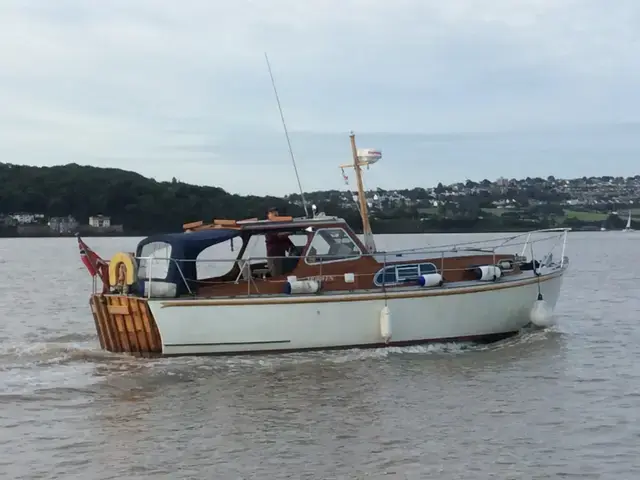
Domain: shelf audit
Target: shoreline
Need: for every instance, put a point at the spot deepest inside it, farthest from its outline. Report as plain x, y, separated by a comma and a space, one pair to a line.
408, 232
12, 233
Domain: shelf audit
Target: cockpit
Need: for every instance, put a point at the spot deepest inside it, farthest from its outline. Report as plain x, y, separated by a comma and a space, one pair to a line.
184, 263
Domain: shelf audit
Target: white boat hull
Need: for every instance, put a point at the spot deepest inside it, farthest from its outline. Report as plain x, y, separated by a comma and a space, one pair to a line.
291, 323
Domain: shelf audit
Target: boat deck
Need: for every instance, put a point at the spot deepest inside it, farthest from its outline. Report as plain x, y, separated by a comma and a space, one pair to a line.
505, 280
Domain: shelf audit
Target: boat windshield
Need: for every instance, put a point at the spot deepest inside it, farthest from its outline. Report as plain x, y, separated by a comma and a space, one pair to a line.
332, 245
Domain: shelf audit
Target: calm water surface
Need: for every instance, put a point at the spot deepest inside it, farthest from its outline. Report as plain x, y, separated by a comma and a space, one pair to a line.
561, 403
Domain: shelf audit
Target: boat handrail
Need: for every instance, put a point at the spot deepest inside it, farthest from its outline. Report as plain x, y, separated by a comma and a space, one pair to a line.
383, 257
455, 247
323, 259
564, 230
392, 259
249, 278
437, 249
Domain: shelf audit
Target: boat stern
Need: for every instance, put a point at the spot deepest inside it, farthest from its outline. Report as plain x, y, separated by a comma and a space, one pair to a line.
125, 324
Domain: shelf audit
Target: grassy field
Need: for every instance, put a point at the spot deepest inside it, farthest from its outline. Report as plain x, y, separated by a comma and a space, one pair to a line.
586, 216
582, 216
429, 211
497, 211
597, 216
579, 215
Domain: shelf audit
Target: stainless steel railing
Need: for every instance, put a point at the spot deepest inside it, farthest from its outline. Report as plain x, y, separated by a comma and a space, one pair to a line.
244, 264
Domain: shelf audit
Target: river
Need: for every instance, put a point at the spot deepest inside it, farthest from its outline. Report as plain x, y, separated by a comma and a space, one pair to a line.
559, 403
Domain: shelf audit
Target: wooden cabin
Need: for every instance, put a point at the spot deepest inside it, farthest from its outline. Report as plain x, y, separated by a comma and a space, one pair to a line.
324, 249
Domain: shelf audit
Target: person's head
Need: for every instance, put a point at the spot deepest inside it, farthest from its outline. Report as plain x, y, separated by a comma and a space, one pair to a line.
272, 213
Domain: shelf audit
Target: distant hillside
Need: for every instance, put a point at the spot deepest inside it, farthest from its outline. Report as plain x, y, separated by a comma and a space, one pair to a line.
141, 204
144, 206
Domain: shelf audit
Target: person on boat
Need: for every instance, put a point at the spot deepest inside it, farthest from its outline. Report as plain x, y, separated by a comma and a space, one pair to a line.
278, 244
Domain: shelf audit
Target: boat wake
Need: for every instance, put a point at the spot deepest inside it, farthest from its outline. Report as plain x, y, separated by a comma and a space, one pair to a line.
80, 349
428, 349
527, 339
77, 371
39, 354
526, 336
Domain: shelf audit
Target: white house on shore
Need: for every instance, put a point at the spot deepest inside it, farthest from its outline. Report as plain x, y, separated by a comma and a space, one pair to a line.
27, 218
100, 221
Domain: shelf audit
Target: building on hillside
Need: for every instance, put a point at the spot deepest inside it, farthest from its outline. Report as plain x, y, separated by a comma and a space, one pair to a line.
27, 218
100, 221
63, 224
7, 221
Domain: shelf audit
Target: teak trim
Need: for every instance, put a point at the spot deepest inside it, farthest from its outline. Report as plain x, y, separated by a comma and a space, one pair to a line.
224, 222
188, 226
118, 309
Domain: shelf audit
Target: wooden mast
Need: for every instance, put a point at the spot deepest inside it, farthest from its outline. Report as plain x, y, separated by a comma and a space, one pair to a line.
364, 213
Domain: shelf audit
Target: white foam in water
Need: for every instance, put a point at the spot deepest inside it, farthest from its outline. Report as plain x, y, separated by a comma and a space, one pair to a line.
301, 358
51, 357
278, 361
39, 354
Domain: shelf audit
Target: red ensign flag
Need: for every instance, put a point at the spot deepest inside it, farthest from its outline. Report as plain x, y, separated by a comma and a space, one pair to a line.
90, 258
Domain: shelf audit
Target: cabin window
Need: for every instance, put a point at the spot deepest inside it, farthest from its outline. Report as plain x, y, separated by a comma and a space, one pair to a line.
160, 252
256, 253
427, 268
257, 246
399, 274
217, 260
332, 245
299, 241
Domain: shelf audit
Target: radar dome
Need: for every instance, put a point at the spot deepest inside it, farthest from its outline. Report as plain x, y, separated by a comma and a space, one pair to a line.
369, 156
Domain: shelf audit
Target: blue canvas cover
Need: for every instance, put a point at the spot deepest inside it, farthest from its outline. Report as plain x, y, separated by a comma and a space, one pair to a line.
185, 248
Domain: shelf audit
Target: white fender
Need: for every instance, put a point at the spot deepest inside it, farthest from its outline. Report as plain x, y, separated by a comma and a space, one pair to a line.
301, 286
541, 314
385, 324
488, 273
430, 280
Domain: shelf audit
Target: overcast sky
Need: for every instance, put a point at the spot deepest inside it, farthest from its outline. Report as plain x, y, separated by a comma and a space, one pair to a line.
180, 88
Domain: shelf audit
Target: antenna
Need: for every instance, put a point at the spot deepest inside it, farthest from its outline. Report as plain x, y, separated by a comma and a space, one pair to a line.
286, 133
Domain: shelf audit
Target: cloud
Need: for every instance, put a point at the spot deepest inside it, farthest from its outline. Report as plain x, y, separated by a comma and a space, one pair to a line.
181, 88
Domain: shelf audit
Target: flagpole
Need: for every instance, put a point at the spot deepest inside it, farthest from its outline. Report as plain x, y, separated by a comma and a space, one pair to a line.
94, 263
